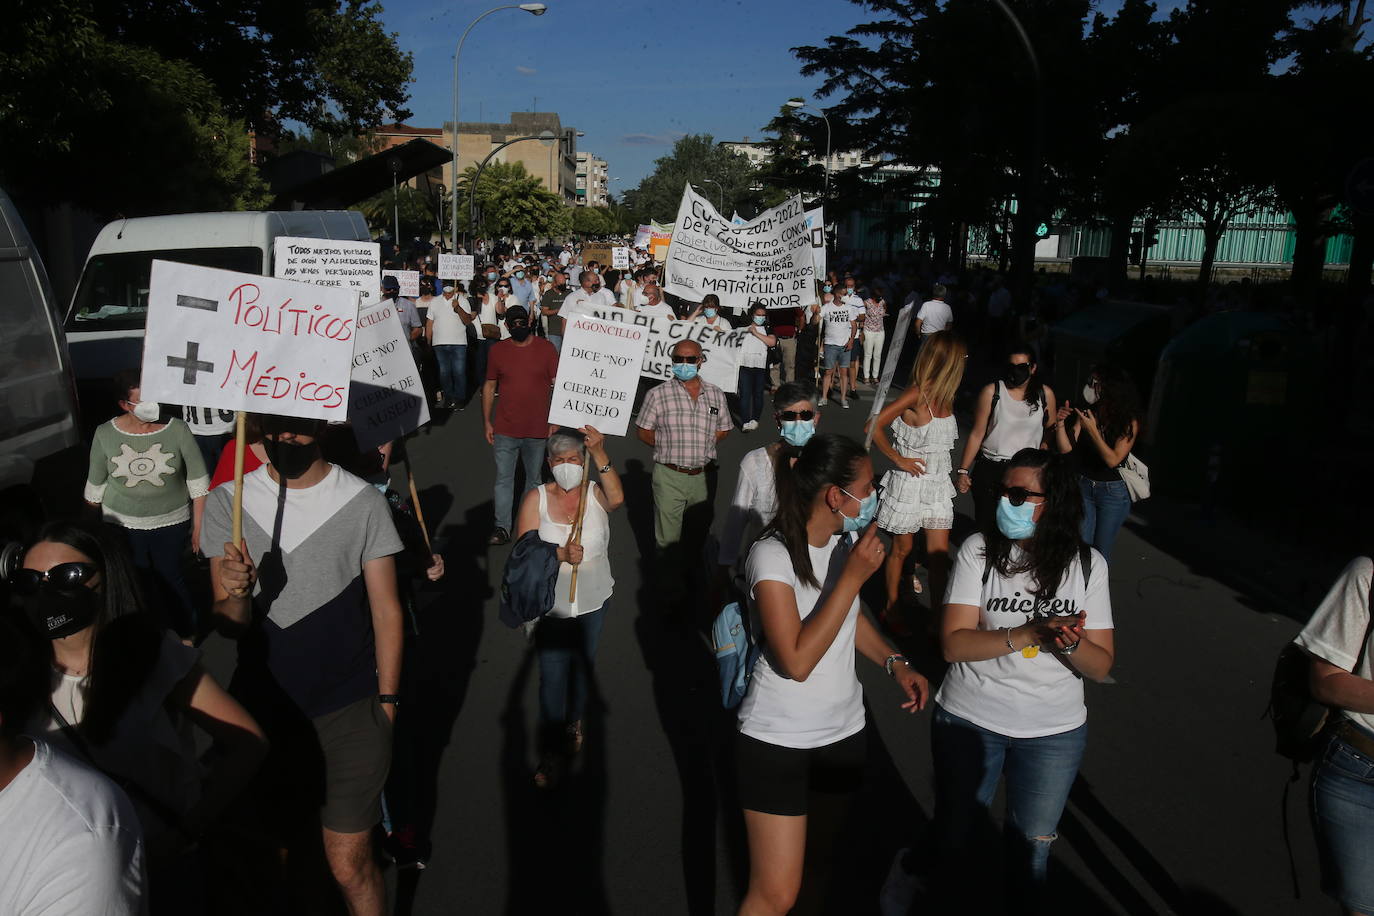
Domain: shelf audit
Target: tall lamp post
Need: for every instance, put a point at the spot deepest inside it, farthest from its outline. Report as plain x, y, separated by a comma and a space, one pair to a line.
800, 103
547, 138
537, 9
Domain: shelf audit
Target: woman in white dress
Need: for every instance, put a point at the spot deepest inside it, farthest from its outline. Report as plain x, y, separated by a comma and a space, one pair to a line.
917, 432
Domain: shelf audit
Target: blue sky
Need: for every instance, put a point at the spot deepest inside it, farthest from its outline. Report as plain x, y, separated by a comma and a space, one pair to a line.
633, 76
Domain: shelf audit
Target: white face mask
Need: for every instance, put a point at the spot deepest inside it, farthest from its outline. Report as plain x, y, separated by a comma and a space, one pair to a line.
1089, 394
567, 475
148, 411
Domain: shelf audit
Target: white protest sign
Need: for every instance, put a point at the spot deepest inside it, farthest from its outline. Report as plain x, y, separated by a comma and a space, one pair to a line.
620, 258
720, 347
409, 280
598, 372
456, 266
643, 235
387, 399
326, 262
236, 341
894, 353
815, 222
766, 261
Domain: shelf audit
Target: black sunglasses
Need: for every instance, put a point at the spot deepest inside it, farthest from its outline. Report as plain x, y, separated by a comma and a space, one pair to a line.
1017, 496
796, 415
689, 360
64, 576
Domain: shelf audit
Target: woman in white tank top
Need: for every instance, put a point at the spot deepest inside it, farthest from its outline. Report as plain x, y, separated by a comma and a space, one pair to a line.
1013, 413
566, 638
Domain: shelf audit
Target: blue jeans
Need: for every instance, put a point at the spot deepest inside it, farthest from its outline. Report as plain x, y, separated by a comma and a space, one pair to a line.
453, 370
157, 552
969, 762
565, 647
1105, 507
531, 452
751, 382
557, 341
1343, 817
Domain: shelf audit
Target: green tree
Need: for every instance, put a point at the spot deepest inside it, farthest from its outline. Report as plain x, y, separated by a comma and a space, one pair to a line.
591, 221
416, 210
695, 159
511, 201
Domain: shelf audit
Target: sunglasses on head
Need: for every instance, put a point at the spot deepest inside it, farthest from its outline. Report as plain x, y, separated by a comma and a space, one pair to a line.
62, 576
689, 360
796, 415
1017, 496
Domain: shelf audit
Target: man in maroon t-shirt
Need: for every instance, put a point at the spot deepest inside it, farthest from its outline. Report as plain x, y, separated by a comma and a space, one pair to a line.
523, 369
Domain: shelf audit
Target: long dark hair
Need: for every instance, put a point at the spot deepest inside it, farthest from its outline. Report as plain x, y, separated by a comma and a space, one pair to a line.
125, 640
1057, 535
1118, 402
828, 459
1035, 389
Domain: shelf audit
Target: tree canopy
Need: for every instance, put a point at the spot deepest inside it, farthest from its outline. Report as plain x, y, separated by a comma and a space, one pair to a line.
722, 175
511, 201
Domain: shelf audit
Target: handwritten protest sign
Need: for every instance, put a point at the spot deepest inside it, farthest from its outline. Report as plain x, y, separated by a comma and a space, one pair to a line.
766, 261
387, 399
720, 347
620, 258
409, 280
642, 236
236, 341
598, 372
815, 222
326, 262
456, 266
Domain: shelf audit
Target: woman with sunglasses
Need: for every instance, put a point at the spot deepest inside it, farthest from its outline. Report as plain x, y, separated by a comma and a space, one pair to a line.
1100, 437
801, 725
918, 492
1027, 618
124, 695
1017, 411
756, 498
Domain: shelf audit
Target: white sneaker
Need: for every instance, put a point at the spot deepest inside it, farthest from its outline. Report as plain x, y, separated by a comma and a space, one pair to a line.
751, 426
844, 404
821, 402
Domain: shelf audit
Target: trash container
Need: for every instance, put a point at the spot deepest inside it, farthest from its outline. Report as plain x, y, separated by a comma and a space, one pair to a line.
1129, 334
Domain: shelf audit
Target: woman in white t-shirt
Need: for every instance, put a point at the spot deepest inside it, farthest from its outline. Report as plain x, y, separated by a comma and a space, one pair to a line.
1027, 618
566, 637
801, 724
753, 367
1339, 638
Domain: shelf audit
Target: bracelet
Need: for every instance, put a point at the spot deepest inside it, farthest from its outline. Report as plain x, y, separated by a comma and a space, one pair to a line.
1006, 635
605, 468
892, 659
963, 471
1068, 650
391, 699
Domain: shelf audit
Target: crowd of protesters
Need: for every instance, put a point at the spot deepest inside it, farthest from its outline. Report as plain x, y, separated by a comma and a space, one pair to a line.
102, 690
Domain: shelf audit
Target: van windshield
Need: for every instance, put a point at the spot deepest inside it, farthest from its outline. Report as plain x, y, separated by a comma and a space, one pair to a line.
113, 295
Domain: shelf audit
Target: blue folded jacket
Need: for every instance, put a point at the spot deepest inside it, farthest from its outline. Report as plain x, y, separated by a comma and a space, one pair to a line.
528, 582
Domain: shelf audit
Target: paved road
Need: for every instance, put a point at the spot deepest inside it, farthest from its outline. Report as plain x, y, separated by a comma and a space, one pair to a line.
1177, 808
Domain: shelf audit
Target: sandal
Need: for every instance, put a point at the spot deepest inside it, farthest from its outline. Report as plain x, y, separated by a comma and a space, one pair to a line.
575, 738
548, 774
892, 620
916, 586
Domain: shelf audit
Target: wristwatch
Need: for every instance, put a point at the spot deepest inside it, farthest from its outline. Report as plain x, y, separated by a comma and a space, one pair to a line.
605, 468
963, 471
392, 699
893, 659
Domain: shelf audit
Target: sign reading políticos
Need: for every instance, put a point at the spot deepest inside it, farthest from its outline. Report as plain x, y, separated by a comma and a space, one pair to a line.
598, 372
721, 348
767, 261
237, 341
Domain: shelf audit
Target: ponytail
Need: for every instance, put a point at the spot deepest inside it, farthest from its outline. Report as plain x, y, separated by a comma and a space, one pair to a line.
828, 459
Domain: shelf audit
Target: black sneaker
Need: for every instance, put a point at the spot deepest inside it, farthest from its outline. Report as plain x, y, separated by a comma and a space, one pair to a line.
498, 537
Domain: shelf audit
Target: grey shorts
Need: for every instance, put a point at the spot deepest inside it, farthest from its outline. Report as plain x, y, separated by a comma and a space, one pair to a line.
356, 742
836, 356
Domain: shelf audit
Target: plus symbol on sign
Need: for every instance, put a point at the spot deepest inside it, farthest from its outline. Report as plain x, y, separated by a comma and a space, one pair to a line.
192, 363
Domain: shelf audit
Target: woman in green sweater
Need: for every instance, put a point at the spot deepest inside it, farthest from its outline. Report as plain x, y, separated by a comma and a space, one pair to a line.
149, 480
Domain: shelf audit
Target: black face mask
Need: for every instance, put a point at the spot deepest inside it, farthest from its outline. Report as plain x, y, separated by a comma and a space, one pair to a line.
291, 459
55, 613
519, 333
1016, 374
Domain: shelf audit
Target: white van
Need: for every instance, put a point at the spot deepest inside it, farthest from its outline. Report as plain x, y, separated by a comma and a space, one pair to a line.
38, 416
106, 319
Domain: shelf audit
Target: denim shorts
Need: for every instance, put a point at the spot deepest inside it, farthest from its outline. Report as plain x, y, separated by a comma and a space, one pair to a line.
836, 355
1343, 817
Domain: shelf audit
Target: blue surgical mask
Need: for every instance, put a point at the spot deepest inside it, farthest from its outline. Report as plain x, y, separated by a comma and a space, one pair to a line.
1015, 521
798, 432
684, 372
868, 506
825, 289
491, 275
519, 275
709, 313
759, 320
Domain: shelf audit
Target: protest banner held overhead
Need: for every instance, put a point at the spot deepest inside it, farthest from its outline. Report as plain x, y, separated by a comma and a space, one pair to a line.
720, 347
766, 261
387, 398
409, 280
236, 341
598, 372
327, 262
456, 267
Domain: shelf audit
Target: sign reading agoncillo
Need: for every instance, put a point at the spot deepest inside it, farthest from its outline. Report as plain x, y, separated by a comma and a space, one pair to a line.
598, 372
237, 341
326, 262
386, 400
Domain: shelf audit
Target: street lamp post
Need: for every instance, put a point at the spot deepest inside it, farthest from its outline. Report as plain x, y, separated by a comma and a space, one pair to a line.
536, 9
720, 189
547, 137
395, 163
799, 103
